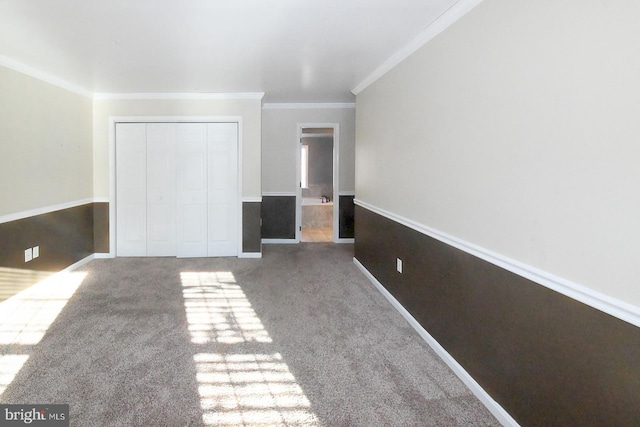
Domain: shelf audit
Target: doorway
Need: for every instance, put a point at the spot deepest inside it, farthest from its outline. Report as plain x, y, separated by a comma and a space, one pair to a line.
318, 183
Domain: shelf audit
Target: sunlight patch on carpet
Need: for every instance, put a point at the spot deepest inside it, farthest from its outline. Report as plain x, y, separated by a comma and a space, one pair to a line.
10, 365
250, 390
25, 317
219, 311
238, 389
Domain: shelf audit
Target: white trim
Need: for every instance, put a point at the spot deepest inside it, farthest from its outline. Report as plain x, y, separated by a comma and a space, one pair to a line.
48, 78
317, 135
336, 182
78, 264
112, 185
100, 255
347, 193
620, 309
257, 199
42, 76
503, 416
101, 200
279, 241
250, 255
278, 194
45, 210
451, 15
240, 163
301, 106
151, 95
351, 240
298, 184
174, 119
113, 120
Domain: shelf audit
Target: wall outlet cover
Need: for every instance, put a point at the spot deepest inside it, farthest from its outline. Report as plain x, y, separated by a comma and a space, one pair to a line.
28, 255
36, 251
399, 265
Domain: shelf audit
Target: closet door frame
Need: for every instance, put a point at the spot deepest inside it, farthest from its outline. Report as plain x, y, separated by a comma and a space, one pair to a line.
113, 120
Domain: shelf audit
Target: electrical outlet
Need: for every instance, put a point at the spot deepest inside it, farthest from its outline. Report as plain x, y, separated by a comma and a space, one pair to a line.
28, 255
399, 265
36, 251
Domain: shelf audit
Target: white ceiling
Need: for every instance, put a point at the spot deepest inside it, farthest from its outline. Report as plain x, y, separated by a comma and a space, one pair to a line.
293, 50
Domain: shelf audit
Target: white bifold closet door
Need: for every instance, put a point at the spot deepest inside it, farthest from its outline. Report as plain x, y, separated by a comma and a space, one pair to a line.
177, 189
161, 189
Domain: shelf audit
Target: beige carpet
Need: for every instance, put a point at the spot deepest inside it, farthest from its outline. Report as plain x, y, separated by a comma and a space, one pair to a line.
299, 337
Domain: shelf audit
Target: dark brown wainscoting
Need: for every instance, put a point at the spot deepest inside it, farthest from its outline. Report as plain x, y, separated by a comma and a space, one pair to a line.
251, 241
101, 227
278, 217
65, 237
547, 359
346, 212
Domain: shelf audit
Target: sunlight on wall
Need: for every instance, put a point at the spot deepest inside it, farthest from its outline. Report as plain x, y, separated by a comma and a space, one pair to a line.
26, 317
218, 310
238, 388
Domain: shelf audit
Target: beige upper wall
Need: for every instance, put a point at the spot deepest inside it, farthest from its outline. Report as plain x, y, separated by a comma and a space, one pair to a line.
45, 144
279, 136
517, 130
248, 109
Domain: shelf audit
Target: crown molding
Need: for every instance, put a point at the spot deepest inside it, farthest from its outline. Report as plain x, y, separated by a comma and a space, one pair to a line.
41, 75
441, 23
152, 96
48, 78
297, 106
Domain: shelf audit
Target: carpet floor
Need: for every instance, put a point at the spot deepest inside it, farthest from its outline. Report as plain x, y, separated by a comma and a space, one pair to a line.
299, 337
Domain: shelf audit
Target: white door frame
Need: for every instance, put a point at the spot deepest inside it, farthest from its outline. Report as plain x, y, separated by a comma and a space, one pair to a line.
165, 119
336, 177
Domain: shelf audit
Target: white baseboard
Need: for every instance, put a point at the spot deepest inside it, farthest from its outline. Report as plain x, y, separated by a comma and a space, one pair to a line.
502, 416
250, 255
280, 241
78, 264
279, 194
104, 255
346, 241
294, 241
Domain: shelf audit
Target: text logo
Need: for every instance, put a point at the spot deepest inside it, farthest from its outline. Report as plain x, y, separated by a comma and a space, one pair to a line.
34, 415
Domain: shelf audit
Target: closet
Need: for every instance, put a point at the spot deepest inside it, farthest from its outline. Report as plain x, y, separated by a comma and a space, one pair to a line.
177, 189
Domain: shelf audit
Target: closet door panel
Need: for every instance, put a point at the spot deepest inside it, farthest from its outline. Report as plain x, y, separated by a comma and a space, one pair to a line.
161, 190
131, 189
191, 181
223, 189
132, 222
